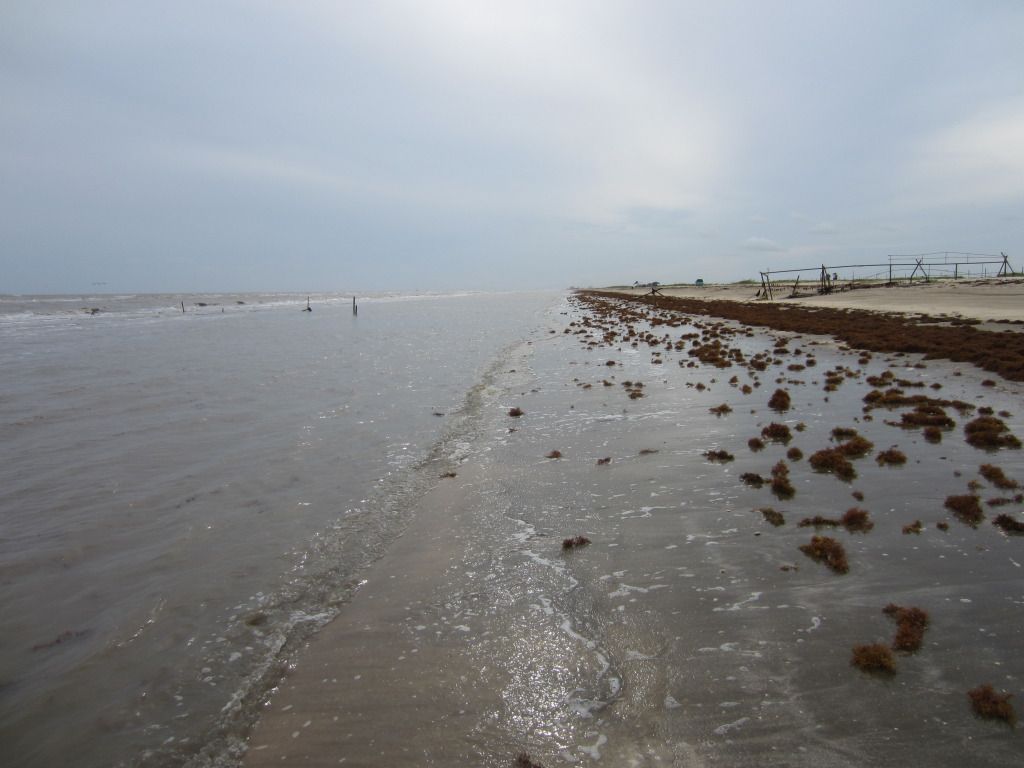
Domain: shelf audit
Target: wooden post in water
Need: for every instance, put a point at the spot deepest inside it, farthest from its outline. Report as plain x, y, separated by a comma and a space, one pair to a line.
183, 307
355, 308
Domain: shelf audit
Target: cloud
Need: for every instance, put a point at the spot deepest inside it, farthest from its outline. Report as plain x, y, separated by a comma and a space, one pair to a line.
823, 228
553, 87
761, 244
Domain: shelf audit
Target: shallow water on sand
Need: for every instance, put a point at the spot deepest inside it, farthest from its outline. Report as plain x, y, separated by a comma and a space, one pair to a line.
689, 631
184, 497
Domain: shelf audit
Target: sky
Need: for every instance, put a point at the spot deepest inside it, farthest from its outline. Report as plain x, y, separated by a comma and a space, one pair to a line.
449, 145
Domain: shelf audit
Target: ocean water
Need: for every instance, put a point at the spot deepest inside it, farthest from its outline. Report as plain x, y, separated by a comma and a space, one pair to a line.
185, 497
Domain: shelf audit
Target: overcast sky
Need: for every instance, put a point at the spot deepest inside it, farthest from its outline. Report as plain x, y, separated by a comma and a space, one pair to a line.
175, 146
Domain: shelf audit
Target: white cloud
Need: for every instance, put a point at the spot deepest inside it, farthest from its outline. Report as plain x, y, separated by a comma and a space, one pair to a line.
557, 83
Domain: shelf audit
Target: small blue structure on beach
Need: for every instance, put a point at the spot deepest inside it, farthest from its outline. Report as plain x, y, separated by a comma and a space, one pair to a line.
700, 282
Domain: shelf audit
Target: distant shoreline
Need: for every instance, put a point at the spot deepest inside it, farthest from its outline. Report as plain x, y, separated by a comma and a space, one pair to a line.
881, 323
989, 300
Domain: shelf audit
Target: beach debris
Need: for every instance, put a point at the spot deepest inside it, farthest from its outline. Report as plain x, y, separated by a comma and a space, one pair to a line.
772, 516
990, 433
555, 454
523, 760
604, 461
914, 527
910, 626
777, 433
856, 520
752, 479
988, 704
932, 434
818, 522
942, 525
996, 476
721, 410
824, 549
575, 541
719, 456
891, 457
794, 454
1008, 523
779, 401
755, 444
515, 412
781, 486
873, 657
832, 461
448, 474
647, 451
966, 508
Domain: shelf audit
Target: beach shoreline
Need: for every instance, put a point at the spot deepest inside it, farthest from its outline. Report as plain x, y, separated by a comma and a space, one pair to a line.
985, 300
690, 630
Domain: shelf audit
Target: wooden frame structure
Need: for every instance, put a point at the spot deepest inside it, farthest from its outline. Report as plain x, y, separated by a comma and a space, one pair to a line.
923, 264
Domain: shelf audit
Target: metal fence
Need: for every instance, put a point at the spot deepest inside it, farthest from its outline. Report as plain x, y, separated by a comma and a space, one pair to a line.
907, 267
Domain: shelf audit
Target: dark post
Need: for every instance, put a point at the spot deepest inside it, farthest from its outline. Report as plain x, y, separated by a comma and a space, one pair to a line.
355, 308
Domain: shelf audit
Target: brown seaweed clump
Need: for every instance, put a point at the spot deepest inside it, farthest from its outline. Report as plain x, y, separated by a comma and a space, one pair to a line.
752, 479
777, 433
988, 704
818, 522
990, 433
447, 475
932, 434
996, 476
604, 461
966, 508
914, 527
794, 454
779, 400
927, 415
575, 541
772, 516
832, 460
892, 457
523, 760
515, 412
781, 486
856, 447
1008, 523
910, 626
873, 657
856, 520
755, 444
721, 410
555, 454
719, 456
824, 549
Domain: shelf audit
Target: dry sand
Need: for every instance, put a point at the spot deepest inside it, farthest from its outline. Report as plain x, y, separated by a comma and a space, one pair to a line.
985, 300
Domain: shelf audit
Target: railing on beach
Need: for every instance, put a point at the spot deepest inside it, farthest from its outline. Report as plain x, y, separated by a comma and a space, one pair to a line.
925, 266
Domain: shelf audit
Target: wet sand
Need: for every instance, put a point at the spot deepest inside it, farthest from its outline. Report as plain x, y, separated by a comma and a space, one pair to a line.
690, 631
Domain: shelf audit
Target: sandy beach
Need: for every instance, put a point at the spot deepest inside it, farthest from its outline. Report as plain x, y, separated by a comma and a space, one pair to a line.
985, 300
699, 622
